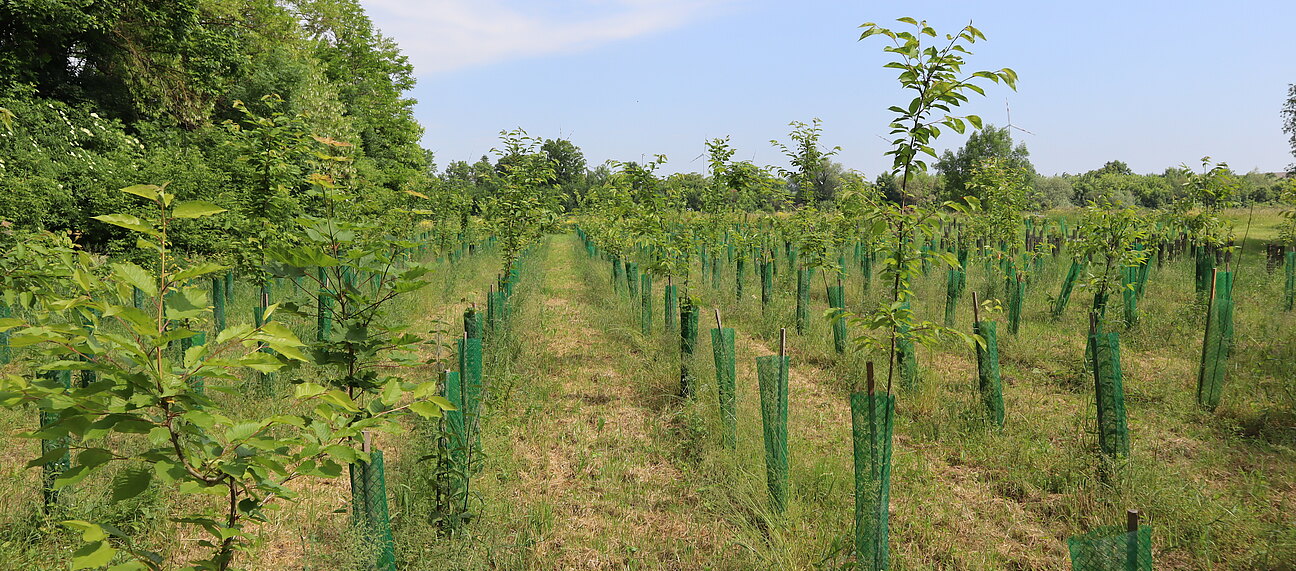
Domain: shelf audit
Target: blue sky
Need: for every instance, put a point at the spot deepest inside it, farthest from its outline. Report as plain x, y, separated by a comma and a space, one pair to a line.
1152, 83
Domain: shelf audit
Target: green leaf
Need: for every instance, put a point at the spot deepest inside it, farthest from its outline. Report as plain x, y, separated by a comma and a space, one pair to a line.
195, 209
92, 555
149, 191
128, 222
136, 276
130, 483
427, 409
89, 531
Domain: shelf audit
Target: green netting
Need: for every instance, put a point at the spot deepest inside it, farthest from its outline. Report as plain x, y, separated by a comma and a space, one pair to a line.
803, 300
456, 444
670, 309
954, 284
617, 271
866, 269
740, 273
497, 310
1218, 343
1143, 271
632, 279
722, 350
1016, 298
57, 466
470, 375
715, 272
472, 323
1205, 263
1109, 393
1289, 290
218, 304
1112, 549
837, 300
772, 373
6, 353
989, 381
1129, 294
323, 309
229, 286
688, 343
369, 509
137, 297
871, 420
645, 303
767, 283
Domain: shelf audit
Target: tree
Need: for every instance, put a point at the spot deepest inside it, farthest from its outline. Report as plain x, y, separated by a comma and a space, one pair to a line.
569, 169
1289, 123
987, 142
806, 177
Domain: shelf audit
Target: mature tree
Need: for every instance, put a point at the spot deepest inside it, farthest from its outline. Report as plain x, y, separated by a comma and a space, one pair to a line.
569, 169
985, 143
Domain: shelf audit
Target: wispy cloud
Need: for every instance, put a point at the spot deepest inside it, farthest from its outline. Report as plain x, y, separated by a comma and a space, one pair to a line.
445, 35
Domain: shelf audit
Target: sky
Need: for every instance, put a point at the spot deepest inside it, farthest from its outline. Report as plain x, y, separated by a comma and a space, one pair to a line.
1155, 84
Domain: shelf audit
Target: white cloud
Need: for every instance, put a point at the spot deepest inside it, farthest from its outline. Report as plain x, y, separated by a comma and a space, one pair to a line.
445, 35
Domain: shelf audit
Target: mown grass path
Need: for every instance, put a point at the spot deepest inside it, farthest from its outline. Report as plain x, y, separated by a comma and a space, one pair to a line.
579, 470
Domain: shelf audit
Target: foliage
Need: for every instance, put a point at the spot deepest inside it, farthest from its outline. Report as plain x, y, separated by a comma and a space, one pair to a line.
935, 75
985, 143
1107, 237
1001, 188
1289, 123
523, 205
806, 178
78, 315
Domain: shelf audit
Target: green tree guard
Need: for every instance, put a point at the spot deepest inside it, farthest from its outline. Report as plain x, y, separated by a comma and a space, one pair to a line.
218, 305
472, 323
722, 349
866, 268
1016, 297
1068, 284
645, 303
989, 381
618, 273
56, 466
456, 447
953, 291
740, 274
1289, 290
871, 416
369, 508
137, 298
229, 287
1112, 548
1113, 433
802, 300
772, 372
632, 280
837, 300
1218, 343
1129, 294
1143, 271
6, 353
1205, 264
670, 309
323, 308
715, 272
767, 283
688, 342
470, 375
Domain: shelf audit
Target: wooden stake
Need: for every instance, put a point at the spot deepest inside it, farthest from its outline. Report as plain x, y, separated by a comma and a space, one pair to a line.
719, 325
976, 309
1131, 521
868, 372
783, 342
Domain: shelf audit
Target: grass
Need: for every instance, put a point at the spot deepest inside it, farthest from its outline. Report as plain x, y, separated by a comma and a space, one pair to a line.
590, 460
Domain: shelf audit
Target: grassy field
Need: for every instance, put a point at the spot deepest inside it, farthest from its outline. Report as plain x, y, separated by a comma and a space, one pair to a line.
591, 461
